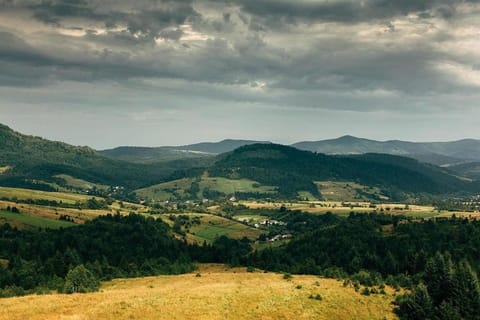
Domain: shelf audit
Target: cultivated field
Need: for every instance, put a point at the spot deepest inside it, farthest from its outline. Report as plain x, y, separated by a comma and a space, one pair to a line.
4, 169
50, 213
177, 188
219, 293
347, 191
22, 221
44, 216
212, 227
26, 194
344, 208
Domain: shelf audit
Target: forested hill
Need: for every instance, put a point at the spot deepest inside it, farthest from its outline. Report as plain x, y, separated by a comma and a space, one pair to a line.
293, 170
28, 161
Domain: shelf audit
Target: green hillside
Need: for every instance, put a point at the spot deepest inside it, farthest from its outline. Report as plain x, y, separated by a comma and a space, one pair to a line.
292, 170
470, 170
33, 162
204, 187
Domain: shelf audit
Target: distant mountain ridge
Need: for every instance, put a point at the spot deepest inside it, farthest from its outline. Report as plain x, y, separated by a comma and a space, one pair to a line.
438, 153
168, 153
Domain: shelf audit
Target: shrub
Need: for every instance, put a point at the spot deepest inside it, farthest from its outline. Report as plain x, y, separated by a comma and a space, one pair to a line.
366, 291
80, 280
356, 286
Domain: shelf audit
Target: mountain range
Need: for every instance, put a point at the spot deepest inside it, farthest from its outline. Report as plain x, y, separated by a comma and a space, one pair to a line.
438, 153
279, 170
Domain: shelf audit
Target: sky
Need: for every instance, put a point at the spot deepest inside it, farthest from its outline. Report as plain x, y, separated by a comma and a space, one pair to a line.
106, 73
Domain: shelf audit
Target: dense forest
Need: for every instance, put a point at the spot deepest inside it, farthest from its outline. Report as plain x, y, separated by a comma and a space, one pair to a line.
109, 246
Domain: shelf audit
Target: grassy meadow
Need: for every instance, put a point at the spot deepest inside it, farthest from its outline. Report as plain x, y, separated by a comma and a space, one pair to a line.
345, 207
44, 216
79, 183
347, 191
51, 213
25, 194
23, 221
218, 293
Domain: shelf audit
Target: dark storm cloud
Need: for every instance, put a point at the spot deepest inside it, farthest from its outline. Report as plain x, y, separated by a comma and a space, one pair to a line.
348, 11
277, 45
144, 18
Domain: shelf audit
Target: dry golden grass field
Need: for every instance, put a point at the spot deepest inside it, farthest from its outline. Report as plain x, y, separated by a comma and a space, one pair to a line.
344, 208
219, 293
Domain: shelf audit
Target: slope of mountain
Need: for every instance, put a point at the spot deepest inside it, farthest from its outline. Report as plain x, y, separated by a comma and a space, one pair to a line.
223, 146
471, 170
29, 161
149, 155
293, 170
433, 152
438, 153
168, 153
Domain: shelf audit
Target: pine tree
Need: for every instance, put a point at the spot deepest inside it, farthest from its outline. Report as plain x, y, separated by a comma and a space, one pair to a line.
419, 306
438, 278
466, 291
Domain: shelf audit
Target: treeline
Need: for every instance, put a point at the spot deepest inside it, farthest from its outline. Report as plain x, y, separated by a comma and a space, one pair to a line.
108, 247
448, 291
437, 259
375, 242
91, 203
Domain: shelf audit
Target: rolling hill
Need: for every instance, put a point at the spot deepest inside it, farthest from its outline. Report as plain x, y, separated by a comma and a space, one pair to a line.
292, 170
33, 162
252, 170
438, 153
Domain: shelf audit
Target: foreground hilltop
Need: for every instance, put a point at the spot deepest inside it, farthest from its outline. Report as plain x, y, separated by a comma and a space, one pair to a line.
212, 292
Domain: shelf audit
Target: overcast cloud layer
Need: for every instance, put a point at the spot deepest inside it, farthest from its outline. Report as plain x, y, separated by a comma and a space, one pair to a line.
107, 73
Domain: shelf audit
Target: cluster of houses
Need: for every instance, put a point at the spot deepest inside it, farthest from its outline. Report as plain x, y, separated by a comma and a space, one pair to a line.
279, 237
269, 222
